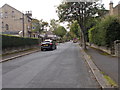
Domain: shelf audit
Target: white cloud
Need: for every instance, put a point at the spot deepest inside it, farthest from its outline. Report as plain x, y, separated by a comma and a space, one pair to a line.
41, 9
106, 3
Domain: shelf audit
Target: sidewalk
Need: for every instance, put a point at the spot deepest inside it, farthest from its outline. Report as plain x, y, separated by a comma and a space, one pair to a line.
106, 63
19, 54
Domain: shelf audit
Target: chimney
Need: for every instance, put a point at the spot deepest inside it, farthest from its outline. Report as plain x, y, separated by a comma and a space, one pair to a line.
29, 13
111, 8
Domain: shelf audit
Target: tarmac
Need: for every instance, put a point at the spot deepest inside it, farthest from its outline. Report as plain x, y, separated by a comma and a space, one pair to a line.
95, 59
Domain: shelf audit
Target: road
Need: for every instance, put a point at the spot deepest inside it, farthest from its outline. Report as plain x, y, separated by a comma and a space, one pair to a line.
61, 68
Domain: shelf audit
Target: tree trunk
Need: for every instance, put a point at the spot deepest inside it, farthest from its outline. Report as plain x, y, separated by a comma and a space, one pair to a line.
83, 37
84, 42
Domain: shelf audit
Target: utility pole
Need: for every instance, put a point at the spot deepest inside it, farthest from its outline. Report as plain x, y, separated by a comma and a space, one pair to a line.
23, 23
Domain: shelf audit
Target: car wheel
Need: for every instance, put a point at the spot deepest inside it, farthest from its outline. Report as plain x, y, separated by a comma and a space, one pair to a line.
42, 49
52, 48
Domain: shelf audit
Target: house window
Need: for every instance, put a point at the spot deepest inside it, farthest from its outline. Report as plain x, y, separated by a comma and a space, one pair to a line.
2, 24
6, 15
7, 27
1, 15
13, 14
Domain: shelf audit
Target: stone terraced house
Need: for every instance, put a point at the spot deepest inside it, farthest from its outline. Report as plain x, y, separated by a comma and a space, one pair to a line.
14, 22
114, 10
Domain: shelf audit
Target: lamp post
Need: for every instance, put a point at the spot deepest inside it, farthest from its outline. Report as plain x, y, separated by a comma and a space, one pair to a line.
23, 24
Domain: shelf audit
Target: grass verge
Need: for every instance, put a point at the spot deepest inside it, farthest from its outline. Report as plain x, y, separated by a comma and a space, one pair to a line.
110, 81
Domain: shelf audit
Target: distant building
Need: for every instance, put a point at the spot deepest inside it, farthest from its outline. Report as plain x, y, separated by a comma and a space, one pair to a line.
50, 35
114, 10
15, 22
35, 28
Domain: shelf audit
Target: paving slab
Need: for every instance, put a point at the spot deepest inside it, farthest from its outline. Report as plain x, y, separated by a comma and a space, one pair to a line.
106, 63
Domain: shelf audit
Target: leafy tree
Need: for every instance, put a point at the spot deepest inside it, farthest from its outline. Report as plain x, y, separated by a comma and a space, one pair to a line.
102, 12
61, 31
105, 32
112, 30
80, 11
75, 29
35, 25
68, 36
54, 24
43, 25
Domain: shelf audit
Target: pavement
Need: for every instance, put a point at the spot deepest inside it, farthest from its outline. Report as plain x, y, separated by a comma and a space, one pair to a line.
14, 55
61, 68
106, 63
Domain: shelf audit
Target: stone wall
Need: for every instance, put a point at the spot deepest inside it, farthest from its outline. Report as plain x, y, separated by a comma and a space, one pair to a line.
114, 52
102, 48
117, 47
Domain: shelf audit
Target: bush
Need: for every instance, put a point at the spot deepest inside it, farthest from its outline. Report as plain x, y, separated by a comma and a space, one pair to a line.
105, 32
14, 41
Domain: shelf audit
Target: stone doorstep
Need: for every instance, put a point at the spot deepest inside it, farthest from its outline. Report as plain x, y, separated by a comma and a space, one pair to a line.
96, 72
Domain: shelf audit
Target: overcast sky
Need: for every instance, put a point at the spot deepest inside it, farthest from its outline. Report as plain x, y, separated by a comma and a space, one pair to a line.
42, 9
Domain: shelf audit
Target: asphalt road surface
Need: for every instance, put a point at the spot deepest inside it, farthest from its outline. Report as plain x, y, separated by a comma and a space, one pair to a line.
61, 68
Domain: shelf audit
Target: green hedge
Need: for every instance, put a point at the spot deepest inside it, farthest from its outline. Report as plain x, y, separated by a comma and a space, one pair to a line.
105, 32
14, 41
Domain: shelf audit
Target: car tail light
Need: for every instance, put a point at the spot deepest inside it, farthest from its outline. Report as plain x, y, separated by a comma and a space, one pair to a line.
41, 44
50, 43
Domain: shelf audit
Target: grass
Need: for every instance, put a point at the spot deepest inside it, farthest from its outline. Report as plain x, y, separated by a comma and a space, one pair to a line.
104, 53
110, 81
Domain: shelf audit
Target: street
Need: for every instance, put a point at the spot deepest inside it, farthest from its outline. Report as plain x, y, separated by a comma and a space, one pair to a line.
61, 68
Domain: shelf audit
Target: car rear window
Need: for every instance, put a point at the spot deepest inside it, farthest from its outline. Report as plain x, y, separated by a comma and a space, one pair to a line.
47, 41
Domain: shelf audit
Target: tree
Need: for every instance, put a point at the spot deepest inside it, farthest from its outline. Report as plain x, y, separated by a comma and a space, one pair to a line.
43, 25
35, 25
61, 31
75, 29
104, 33
54, 24
80, 11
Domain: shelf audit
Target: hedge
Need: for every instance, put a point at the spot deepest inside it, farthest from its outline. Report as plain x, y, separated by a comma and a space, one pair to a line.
14, 41
105, 32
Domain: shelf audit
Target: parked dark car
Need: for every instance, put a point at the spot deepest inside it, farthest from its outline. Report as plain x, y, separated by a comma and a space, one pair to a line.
48, 45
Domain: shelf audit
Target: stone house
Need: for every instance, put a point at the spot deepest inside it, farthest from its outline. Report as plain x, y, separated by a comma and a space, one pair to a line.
114, 10
14, 22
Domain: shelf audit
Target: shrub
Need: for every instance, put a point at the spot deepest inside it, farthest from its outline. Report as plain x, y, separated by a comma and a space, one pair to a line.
14, 41
105, 32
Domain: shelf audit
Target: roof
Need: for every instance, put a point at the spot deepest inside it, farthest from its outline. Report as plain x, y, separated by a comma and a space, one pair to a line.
15, 10
11, 7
